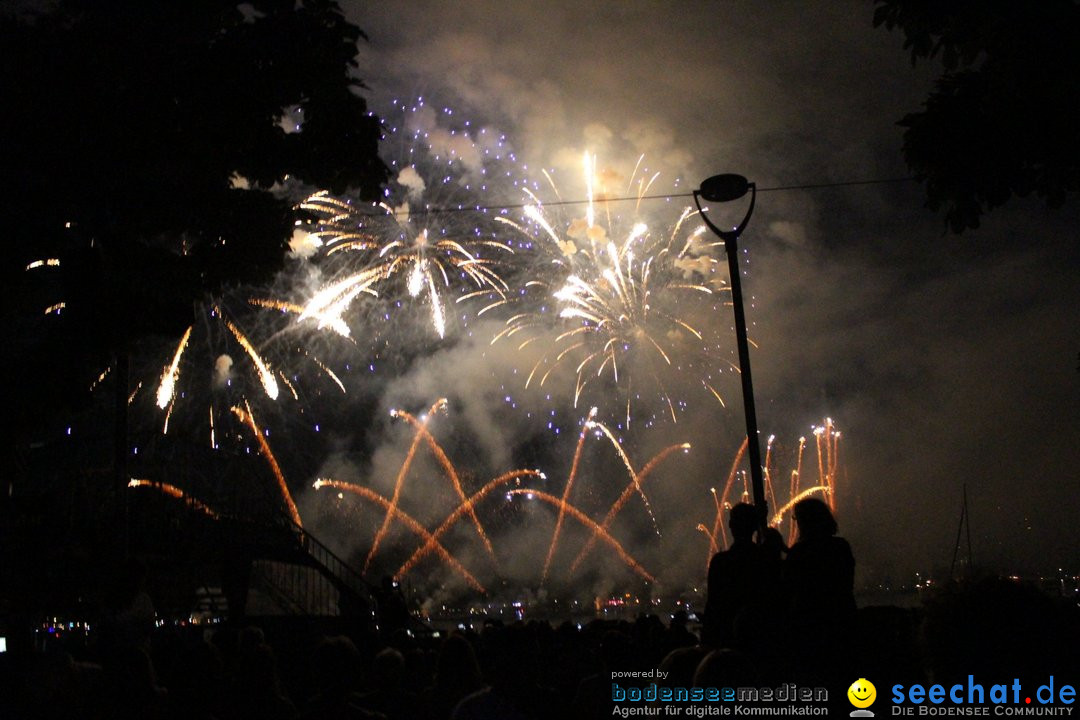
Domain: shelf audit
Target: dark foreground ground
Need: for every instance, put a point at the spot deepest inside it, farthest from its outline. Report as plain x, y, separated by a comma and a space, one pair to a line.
995, 631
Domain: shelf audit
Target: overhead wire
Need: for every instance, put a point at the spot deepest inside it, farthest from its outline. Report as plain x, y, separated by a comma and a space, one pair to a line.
627, 198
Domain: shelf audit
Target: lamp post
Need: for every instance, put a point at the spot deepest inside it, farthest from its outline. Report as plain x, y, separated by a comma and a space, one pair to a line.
725, 188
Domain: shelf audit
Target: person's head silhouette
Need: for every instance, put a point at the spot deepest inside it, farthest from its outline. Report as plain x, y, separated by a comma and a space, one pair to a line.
814, 519
774, 543
742, 519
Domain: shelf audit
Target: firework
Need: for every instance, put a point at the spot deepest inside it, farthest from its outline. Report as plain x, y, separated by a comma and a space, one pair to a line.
398, 484
451, 473
245, 415
566, 492
409, 246
408, 521
828, 448
234, 352
623, 302
175, 492
828, 459
167, 390
266, 375
567, 508
634, 486
467, 505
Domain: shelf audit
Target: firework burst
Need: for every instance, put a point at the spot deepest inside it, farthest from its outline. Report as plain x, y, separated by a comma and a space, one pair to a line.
235, 351
632, 306
431, 240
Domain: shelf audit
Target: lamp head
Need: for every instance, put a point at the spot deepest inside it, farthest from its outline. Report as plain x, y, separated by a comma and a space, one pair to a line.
723, 188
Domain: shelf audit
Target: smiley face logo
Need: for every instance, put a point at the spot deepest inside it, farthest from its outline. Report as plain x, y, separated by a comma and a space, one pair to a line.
862, 693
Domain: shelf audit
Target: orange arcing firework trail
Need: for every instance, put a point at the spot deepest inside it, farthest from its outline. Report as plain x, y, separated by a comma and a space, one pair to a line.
451, 472
409, 522
245, 416
467, 506
591, 524
627, 493
404, 471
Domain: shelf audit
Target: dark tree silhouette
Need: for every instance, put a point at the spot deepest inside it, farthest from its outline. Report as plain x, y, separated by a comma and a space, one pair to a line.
145, 145
1002, 119
139, 143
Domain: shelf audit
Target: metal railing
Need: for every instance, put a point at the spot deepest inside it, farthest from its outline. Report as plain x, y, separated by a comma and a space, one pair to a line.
256, 517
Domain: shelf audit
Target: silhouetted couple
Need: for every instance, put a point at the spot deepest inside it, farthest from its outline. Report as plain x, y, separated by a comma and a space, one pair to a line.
756, 595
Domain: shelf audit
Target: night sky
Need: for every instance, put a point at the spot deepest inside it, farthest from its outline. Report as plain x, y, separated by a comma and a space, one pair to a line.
943, 359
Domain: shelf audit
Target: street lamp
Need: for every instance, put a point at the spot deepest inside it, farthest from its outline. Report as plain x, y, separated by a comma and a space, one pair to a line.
725, 188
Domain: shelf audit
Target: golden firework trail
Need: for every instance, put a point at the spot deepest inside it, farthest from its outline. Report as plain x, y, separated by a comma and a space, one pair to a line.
329, 304
633, 486
778, 516
325, 317
829, 437
467, 506
167, 388
711, 534
245, 415
590, 524
713, 546
566, 493
175, 492
795, 476
770, 491
329, 373
635, 481
409, 522
451, 473
399, 482
272, 304
266, 375
719, 530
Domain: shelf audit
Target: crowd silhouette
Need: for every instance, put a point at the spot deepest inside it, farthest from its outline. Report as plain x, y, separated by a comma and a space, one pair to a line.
774, 615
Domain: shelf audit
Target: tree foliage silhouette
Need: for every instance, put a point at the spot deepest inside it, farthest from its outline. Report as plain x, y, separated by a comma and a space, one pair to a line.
1002, 119
141, 142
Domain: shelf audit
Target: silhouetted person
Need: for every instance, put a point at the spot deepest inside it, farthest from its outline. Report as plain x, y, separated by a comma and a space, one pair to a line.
678, 635
457, 674
197, 692
130, 612
819, 577
680, 665
726, 668
391, 695
392, 608
615, 652
337, 671
256, 690
774, 546
740, 579
514, 691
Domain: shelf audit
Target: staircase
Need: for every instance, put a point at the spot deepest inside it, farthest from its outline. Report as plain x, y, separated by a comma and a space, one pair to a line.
265, 563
